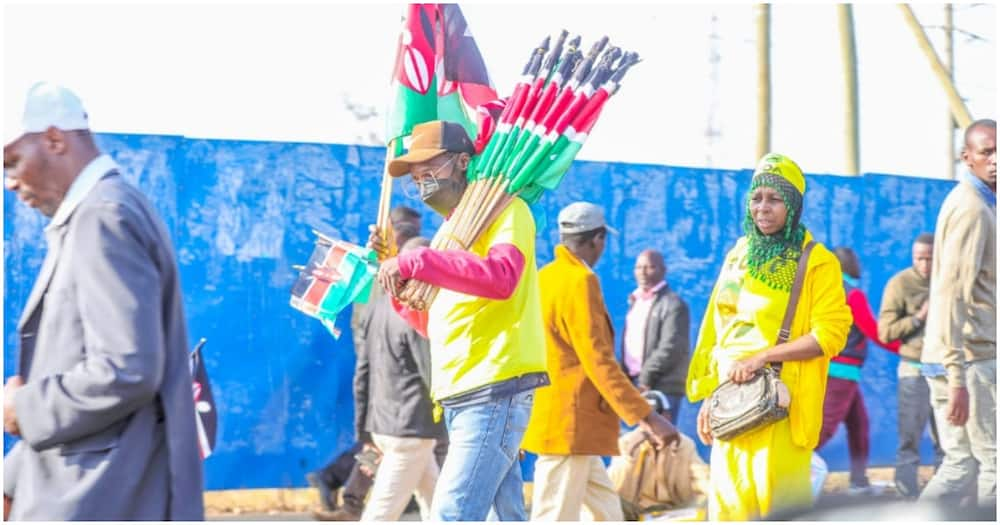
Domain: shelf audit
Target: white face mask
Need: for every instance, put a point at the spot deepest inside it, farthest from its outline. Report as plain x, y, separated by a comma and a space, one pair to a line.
442, 195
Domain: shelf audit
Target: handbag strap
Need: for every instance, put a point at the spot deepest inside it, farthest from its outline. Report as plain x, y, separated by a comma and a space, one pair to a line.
793, 300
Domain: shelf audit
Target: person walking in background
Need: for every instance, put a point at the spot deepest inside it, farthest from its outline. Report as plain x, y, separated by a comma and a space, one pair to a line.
102, 400
393, 410
656, 348
575, 420
767, 469
344, 471
844, 402
485, 330
960, 343
902, 316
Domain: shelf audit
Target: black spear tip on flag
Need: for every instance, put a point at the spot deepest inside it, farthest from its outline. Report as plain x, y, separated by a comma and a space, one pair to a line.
615, 54
536, 59
527, 65
628, 60
536, 63
597, 48
602, 71
569, 64
540, 50
544, 46
206, 417
581, 71
553, 57
574, 44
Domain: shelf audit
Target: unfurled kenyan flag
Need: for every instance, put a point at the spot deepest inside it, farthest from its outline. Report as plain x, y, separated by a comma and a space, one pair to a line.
439, 73
337, 274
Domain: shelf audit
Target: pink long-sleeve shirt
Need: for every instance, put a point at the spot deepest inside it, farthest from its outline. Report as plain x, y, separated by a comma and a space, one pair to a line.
493, 277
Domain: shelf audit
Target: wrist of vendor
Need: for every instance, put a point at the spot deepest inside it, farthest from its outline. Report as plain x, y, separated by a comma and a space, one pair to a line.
409, 261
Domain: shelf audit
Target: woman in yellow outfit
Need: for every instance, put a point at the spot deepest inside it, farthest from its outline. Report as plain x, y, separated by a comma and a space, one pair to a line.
767, 469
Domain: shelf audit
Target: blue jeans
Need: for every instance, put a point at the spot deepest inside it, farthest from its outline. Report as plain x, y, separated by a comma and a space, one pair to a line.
482, 472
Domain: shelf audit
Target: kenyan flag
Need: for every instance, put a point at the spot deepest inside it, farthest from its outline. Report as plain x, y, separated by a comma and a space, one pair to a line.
337, 274
439, 73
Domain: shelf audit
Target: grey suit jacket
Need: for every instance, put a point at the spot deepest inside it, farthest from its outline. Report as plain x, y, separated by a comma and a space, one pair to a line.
392, 377
667, 349
106, 413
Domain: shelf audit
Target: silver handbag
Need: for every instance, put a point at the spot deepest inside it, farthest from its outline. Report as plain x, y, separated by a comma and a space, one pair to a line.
737, 408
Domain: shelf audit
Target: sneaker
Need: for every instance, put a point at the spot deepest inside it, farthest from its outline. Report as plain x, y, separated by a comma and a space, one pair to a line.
864, 490
327, 497
905, 490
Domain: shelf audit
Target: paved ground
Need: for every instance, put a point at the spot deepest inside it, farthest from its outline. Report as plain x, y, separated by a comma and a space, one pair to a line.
835, 504
285, 516
276, 516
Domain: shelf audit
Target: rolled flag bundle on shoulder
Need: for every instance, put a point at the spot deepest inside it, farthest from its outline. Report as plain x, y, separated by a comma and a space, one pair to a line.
206, 418
540, 130
338, 273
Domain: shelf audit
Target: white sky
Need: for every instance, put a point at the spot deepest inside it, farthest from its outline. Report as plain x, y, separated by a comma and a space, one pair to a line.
287, 72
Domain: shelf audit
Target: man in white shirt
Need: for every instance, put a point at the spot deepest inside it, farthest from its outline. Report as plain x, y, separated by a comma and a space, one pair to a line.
656, 338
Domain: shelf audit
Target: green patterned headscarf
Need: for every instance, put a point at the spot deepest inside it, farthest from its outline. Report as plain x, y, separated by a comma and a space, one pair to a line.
773, 259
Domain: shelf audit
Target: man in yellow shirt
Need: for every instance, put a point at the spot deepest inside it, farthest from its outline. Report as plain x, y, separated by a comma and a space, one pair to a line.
575, 420
485, 332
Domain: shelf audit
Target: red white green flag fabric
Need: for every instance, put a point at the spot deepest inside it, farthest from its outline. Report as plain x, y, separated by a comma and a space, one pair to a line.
337, 274
439, 72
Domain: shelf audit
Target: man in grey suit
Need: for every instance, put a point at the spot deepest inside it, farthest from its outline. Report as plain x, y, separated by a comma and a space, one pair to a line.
103, 397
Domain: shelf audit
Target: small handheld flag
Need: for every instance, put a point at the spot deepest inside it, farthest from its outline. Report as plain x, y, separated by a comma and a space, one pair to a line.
206, 417
337, 274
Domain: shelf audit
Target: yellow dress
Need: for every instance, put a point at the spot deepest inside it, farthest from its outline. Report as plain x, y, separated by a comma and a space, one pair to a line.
767, 470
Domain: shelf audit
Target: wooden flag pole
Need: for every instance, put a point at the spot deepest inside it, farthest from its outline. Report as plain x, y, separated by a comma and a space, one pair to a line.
382, 221
958, 108
849, 58
763, 19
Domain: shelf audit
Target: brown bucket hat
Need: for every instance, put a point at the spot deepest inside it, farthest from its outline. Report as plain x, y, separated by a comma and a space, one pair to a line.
431, 139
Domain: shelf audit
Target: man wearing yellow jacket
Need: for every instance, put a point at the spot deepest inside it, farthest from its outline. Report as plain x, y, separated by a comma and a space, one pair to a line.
575, 420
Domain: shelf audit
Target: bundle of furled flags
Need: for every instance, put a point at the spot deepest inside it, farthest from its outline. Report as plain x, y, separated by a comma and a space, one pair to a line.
541, 129
337, 274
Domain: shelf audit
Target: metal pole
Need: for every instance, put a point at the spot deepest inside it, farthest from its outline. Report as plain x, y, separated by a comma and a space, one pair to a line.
958, 108
763, 15
849, 59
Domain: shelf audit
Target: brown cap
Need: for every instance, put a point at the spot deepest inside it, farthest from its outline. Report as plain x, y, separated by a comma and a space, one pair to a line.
431, 139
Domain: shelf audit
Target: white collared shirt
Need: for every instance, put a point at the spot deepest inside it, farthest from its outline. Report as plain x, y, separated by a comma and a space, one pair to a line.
84, 182
635, 327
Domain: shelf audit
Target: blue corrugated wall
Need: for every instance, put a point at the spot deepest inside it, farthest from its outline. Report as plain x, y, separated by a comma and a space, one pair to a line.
241, 213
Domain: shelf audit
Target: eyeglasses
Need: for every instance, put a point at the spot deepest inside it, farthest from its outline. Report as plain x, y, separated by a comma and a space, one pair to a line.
412, 189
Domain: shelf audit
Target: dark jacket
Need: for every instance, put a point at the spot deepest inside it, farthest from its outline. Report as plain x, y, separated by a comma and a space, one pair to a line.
106, 413
667, 344
392, 377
